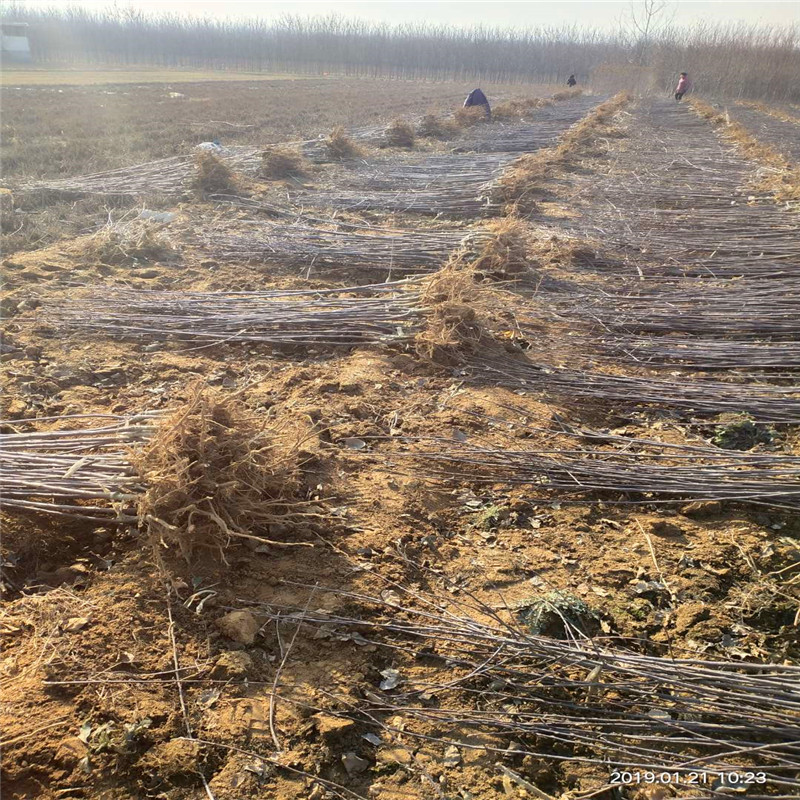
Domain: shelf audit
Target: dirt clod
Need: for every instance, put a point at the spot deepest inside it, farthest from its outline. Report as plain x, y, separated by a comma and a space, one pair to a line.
702, 509
332, 728
173, 758
239, 626
234, 664
664, 528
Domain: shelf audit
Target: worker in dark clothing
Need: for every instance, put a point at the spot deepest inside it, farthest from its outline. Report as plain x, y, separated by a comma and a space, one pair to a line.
571, 81
476, 98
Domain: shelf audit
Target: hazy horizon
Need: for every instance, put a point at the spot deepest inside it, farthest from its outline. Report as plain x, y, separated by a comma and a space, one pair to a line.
602, 14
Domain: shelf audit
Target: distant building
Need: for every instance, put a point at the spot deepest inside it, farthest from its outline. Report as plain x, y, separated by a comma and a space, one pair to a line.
15, 44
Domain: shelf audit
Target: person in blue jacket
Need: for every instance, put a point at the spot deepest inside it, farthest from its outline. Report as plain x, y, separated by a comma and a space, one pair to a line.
476, 98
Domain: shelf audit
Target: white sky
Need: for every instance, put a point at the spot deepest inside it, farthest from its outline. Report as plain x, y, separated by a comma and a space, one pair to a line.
502, 13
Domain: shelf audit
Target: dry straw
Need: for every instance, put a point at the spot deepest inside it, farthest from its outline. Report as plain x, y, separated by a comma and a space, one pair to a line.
340, 145
459, 308
519, 108
215, 473
467, 117
453, 326
460, 314
567, 94
433, 127
279, 162
122, 243
519, 185
212, 175
778, 178
772, 111
499, 251
400, 134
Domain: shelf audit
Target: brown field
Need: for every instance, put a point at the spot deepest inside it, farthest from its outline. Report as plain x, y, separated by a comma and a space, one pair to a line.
20, 76
238, 630
51, 131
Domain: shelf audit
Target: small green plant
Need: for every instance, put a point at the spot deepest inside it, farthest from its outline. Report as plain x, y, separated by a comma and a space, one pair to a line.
741, 434
113, 737
488, 517
558, 615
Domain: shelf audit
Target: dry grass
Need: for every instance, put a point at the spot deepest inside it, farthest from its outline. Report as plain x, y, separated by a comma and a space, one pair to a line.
467, 117
433, 127
560, 253
453, 326
6, 210
519, 185
216, 474
87, 129
279, 162
566, 94
340, 145
519, 108
212, 175
43, 220
498, 252
400, 134
124, 243
581, 137
778, 177
778, 113
707, 111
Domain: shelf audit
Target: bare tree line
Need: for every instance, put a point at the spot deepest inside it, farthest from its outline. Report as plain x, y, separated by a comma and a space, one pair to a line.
726, 60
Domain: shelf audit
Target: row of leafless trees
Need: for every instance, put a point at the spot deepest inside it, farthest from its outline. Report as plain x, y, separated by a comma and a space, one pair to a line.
759, 62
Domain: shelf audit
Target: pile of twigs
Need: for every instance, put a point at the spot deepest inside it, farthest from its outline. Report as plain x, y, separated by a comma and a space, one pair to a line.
317, 151
451, 185
702, 353
166, 176
684, 203
64, 472
689, 398
312, 248
479, 668
468, 201
548, 124
374, 313
726, 241
782, 134
453, 172
740, 309
621, 467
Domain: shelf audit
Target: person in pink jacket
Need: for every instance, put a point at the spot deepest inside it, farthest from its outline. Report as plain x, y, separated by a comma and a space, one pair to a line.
684, 84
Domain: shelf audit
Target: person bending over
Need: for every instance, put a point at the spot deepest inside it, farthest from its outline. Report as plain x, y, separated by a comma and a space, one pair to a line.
477, 99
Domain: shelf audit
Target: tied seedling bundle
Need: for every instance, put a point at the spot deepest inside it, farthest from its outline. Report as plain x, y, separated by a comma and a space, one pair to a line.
215, 473
198, 478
